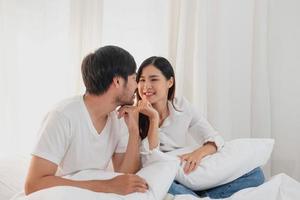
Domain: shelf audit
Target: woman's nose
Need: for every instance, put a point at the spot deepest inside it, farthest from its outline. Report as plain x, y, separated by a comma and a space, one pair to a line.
147, 85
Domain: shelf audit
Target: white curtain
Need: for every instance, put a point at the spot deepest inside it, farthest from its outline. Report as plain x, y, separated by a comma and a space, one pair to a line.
42, 45
237, 61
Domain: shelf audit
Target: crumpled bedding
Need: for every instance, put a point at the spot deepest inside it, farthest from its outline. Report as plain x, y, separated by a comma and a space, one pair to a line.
158, 171
279, 187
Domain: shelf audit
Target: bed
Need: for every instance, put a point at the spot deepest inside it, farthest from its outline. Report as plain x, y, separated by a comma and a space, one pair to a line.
13, 171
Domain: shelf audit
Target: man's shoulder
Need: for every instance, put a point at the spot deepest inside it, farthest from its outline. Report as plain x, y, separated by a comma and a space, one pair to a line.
67, 107
68, 104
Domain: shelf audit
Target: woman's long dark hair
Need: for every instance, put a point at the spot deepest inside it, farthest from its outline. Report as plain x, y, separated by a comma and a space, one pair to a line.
166, 69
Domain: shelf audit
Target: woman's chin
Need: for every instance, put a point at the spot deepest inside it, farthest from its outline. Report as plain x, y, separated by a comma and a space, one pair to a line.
149, 98
152, 100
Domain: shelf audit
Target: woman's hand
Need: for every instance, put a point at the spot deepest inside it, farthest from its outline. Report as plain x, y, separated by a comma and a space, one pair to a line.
194, 158
145, 107
192, 161
131, 117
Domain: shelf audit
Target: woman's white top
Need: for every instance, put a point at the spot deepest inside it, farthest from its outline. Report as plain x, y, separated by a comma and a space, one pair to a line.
185, 127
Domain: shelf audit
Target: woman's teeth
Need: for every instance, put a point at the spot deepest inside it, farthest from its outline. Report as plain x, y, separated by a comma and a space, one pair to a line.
148, 93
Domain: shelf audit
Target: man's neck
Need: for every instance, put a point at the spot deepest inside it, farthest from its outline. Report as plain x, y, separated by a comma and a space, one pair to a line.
99, 106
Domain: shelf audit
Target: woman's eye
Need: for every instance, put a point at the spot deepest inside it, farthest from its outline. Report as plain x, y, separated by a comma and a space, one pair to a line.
154, 79
141, 80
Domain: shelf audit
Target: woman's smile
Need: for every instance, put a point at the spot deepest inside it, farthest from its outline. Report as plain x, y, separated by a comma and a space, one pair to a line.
148, 94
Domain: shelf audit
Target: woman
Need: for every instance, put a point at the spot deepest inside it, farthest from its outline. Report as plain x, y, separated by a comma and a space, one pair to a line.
172, 123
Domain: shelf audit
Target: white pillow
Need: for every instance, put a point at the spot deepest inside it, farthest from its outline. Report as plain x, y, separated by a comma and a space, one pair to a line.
13, 169
159, 172
235, 159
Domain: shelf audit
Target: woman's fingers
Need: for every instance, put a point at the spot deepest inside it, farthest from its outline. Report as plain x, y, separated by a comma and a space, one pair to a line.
186, 167
124, 110
144, 97
139, 103
144, 106
142, 103
190, 166
121, 111
184, 157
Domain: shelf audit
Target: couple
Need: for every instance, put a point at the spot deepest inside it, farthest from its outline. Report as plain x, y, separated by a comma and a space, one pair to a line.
85, 132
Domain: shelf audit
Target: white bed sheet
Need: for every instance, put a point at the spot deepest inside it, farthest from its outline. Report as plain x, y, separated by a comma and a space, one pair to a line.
279, 187
159, 172
13, 170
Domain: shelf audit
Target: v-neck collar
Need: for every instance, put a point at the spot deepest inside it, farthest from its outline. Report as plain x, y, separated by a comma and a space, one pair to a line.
90, 122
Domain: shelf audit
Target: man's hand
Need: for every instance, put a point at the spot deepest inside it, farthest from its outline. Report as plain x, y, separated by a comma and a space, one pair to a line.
126, 184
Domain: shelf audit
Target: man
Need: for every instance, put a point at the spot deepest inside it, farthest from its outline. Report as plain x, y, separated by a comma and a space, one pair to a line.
84, 132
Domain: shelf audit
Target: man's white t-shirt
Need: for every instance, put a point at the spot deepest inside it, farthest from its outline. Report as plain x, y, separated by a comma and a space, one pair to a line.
68, 138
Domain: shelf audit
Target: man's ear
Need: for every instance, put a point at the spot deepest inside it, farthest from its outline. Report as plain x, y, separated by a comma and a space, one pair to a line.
116, 81
170, 82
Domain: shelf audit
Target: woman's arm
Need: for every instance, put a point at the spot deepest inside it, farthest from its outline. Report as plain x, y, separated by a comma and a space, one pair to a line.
129, 162
207, 149
203, 133
153, 133
194, 158
146, 108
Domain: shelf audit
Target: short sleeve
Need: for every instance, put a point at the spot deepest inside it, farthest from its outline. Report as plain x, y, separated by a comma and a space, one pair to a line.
54, 138
123, 137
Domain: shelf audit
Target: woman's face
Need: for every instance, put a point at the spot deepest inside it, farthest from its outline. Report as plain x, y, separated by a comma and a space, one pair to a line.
154, 85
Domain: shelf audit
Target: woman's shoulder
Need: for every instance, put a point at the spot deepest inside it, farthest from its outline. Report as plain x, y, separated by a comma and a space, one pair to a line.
181, 103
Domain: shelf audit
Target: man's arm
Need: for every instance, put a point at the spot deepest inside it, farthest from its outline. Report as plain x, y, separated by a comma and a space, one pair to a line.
129, 162
41, 175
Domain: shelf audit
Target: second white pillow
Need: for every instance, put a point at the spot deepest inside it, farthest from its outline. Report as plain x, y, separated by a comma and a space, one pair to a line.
235, 159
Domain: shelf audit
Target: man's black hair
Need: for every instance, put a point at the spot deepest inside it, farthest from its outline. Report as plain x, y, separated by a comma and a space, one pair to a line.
99, 68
